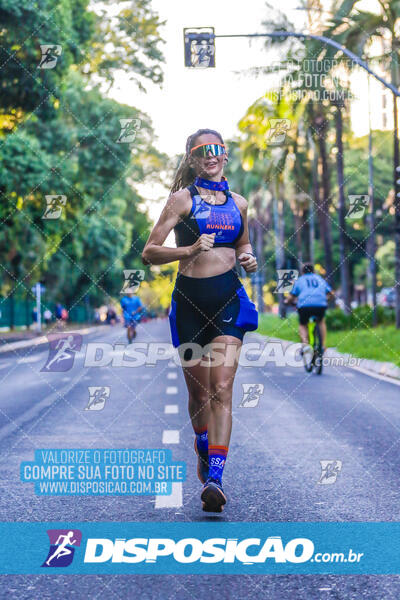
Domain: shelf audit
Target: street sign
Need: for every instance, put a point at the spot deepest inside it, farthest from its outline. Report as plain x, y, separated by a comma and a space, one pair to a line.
42, 289
199, 47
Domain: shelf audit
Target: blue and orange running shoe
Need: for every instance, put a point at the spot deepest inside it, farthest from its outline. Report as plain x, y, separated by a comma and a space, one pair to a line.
213, 496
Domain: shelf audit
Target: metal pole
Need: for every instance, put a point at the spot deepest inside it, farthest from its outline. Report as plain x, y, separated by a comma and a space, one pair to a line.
371, 217
314, 194
38, 315
325, 40
396, 161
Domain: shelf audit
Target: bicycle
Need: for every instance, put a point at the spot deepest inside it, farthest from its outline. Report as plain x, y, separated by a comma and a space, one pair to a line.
135, 318
313, 361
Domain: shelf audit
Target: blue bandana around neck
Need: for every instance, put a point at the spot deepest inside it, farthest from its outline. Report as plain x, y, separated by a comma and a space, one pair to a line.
218, 186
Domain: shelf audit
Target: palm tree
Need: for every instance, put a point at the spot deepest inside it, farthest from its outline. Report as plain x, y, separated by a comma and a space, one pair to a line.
249, 183
258, 147
356, 32
316, 116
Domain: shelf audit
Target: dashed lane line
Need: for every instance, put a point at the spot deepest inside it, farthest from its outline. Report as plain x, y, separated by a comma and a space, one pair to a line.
175, 500
170, 436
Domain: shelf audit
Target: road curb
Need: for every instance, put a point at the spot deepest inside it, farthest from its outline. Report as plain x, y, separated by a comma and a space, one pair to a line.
385, 369
41, 340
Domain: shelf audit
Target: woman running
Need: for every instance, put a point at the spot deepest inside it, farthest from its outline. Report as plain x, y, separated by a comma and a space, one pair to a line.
210, 310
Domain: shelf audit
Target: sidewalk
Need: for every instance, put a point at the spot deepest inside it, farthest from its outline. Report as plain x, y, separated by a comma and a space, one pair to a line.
27, 338
365, 365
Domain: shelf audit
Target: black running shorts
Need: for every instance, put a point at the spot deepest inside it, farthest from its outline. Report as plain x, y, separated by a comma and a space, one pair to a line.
207, 307
305, 312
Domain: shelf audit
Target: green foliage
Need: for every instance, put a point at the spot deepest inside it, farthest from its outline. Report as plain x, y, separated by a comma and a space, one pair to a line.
360, 318
58, 136
336, 319
386, 263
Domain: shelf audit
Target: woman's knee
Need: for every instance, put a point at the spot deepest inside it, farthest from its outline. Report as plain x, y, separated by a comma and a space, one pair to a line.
199, 398
221, 390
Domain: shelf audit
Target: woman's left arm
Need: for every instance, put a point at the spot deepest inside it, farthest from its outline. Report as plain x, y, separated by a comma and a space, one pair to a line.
243, 249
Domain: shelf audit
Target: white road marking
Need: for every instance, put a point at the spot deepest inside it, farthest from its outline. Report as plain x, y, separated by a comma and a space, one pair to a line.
172, 375
172, 364
170, 436
174, 500
171, 409
172, 389
29, 359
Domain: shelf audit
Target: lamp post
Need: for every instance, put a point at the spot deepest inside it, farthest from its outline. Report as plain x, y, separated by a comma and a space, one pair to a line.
371, 216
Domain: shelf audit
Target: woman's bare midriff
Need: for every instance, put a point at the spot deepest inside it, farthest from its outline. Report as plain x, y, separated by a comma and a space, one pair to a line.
210, 263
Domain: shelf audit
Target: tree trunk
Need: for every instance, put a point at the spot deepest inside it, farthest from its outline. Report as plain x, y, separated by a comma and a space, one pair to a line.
371, 241
298, 224
396, 163
343, 238
260, 260
11, 300
324, 201
279, 240
259, 226
314, 200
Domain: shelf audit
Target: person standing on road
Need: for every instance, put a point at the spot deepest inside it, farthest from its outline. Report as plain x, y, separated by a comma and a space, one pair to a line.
132, 307
209, 305
312, 293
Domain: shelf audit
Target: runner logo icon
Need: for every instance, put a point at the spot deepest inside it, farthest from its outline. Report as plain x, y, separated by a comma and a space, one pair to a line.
358, 206
50, 55
97, 397
129, 128
62, 348
251, 394
62, 547
330, 469
54, 206
286, 280
132, 280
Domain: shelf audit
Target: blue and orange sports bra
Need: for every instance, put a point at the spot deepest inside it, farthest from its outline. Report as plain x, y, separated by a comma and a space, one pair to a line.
225, 220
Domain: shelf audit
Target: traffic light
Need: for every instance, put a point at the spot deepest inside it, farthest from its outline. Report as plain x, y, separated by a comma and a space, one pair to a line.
199, 47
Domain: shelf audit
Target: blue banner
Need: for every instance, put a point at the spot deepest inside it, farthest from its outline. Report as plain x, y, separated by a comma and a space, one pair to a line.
189, 548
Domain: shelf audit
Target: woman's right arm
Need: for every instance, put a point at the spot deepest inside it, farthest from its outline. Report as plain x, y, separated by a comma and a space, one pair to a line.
154, 252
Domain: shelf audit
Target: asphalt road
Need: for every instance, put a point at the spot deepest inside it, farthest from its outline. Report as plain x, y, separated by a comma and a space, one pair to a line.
272, 471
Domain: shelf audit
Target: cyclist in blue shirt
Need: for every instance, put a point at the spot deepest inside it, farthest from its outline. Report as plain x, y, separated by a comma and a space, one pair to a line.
312, 293
132, 308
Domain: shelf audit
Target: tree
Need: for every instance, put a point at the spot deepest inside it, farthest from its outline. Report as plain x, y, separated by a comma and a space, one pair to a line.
357, 32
